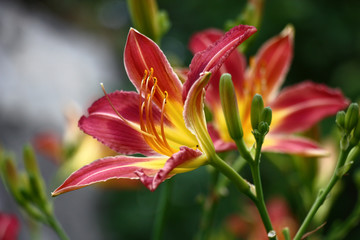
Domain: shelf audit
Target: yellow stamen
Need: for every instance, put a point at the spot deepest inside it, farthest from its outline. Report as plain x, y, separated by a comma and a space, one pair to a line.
157, 142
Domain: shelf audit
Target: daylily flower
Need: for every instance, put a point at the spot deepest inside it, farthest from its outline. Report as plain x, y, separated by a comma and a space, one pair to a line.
294, 108
156, 121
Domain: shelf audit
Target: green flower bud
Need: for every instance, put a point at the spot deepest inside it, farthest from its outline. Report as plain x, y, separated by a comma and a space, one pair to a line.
266, 115
31, 165
340, 119
148, 19
10, 176
352, 116
356, 132
36, 182
230, 107
257, 105
263, 128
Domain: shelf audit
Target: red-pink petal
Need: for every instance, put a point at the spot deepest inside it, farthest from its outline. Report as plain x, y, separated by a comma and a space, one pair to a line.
103, 124
184, 155
141, 54
292, 145
302, 105
272, 63
9, 227
214, 56
235, 64
105, 169
201, 40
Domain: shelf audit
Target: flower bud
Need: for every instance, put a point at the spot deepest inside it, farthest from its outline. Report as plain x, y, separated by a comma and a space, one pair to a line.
257, 105
351, 116
266, 115
148, 19
340, 119
10, 176
263, 128
356, 133
230, 107
31, 165
37, 186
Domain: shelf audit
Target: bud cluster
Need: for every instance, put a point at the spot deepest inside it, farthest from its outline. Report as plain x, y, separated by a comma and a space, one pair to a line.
27, 187
260, 117
349, 124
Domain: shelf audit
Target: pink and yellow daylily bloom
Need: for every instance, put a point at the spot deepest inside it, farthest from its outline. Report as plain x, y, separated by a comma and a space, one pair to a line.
294, 108
156, 121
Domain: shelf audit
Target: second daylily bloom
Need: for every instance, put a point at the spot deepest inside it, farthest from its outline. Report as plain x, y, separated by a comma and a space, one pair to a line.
156, 121
294, 108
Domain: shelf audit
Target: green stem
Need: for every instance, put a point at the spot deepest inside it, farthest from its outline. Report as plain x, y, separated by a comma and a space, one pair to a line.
255, 171
260, 203
240, 144
161, 211
224, 181
286, 233
234, 177
323, 194
55, 225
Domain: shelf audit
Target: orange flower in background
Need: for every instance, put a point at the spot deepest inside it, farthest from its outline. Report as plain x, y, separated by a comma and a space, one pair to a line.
294, 108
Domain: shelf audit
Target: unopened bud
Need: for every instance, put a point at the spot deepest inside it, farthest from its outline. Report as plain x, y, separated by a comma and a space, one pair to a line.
31, 165
356, 132
266, 115
257, 106
340, 119
230, 107
10, 176
148, 19
263, 128
351, 117
37, 185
